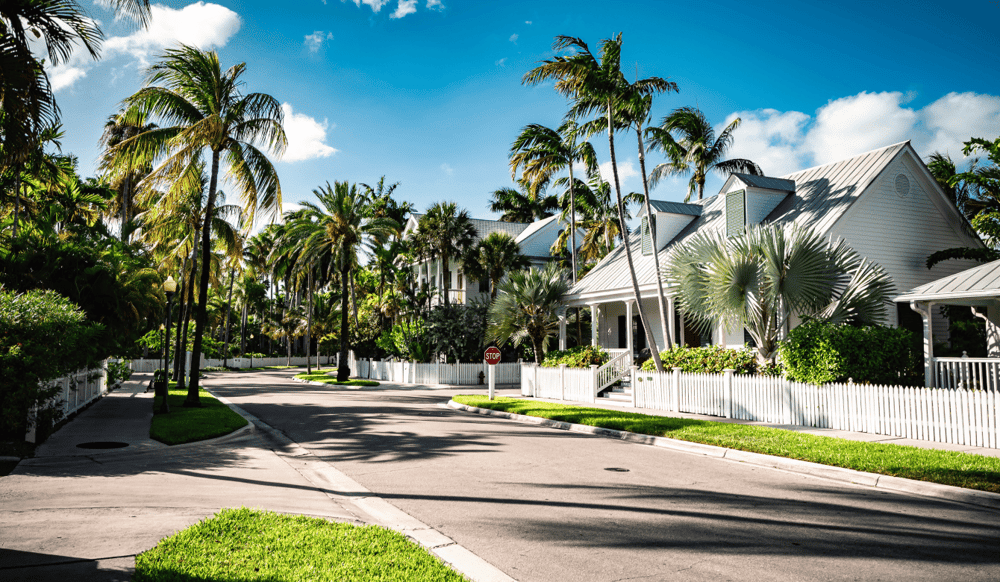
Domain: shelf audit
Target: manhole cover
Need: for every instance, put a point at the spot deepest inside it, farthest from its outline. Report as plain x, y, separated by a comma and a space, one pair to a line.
616, 469
102, 445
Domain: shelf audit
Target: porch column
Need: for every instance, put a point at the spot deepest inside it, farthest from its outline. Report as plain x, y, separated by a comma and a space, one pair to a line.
671, 330
628, 329
926, 313
593, 324
562, 331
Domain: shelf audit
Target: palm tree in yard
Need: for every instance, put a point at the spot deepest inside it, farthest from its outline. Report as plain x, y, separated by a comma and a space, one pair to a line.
201, 110
527, 308
446, 233
117, 130
333, 231
691, 146
756, 281
599, 87
526, 204
541, 152
492, 257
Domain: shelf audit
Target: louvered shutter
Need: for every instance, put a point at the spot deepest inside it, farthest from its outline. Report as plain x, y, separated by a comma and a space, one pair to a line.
735, 213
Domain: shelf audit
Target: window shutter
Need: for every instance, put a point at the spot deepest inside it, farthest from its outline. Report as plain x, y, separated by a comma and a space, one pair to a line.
735, 213
647, 242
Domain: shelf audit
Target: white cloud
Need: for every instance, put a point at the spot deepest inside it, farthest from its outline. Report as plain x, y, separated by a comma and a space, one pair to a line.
447, 169
435, 5
375, 5
63, 76
315, 41
513, 38
770, 138
502, 62
626, 171
851, 125
306, 137
954, 118
528, 22
404, 8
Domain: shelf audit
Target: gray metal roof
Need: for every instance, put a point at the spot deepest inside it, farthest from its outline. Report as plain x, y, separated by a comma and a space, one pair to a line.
822, 195
675, 207
766, 182
968, 287
483, 226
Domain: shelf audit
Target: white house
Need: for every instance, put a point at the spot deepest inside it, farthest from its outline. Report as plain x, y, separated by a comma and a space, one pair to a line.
884, 203
534, 238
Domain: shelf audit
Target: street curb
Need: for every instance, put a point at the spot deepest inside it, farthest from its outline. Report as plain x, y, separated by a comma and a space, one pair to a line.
335, 484
885, 482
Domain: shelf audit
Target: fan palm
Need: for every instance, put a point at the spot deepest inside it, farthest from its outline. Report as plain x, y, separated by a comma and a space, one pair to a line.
492, 257
542, 152
527, 308
445, 232
599, 87
695, 149
202, 110
758, 280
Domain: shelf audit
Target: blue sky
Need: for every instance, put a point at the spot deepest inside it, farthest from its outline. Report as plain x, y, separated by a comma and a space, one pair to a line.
429, 93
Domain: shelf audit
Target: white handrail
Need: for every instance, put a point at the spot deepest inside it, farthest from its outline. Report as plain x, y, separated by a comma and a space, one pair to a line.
616, 368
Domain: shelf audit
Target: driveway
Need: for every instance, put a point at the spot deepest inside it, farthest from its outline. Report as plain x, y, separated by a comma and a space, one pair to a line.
544, 504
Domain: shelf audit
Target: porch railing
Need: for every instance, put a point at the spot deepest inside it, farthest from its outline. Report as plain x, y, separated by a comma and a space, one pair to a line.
965, 372
618, 367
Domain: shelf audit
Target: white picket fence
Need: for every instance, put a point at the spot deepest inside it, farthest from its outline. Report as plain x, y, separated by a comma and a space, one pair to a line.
433, 373
153, 364
947, 415
75, 391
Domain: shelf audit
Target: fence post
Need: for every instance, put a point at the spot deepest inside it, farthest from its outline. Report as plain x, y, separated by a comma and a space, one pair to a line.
593, 382
634, 383
562, 381
534, 385
676, 388
786, 401
728, 383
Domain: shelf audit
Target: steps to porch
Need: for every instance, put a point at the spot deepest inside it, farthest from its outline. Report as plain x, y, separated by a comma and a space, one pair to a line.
620, 394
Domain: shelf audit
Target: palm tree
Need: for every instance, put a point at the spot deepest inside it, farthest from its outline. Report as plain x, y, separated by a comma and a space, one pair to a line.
695, 149
524, 205
759, 279
492, 257
117, 130
598, 86
543, 152
527, 308
202, 110
338, 227
446, 233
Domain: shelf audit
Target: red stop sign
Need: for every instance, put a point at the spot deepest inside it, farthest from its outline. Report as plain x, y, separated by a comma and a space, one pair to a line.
492, 355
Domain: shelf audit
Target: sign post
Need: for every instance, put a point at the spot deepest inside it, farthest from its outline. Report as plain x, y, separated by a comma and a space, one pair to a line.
492, 357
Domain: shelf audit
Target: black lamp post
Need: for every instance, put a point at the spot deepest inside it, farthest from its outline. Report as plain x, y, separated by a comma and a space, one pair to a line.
169, 287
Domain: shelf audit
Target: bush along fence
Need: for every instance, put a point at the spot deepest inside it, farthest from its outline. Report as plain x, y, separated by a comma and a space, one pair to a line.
948, 415
76, 391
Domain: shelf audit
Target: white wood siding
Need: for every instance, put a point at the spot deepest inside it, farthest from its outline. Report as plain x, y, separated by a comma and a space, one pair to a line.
900, 233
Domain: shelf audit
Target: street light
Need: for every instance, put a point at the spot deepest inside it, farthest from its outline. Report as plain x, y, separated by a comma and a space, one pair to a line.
169, 287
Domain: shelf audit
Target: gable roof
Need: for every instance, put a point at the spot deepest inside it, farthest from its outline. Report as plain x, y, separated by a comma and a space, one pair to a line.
765, 182
675, 207
822, 195
982, 282
535, 227
483, 227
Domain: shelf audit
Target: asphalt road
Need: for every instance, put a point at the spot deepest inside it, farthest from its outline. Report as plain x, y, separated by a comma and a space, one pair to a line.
547, 505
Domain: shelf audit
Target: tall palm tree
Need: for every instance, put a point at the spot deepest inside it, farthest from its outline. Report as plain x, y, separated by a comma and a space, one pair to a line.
542, 152
446, 232
759, 279
117, 130
527, 308
599, 87
338, 226
492, 257
523, 205
690, 144
202, 110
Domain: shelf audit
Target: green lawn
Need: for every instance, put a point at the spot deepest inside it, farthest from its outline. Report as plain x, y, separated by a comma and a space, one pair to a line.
248, 545
186, 425
324, 378
947, 467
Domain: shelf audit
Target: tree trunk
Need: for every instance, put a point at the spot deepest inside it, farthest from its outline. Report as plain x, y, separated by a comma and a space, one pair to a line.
125, 203
182, 365
343, 370
17, 199
354, 300
445, 278
651, 341
572, 218
243, 329
652, 235
309, 322
201, 313
181, 306
537, 345
229, 311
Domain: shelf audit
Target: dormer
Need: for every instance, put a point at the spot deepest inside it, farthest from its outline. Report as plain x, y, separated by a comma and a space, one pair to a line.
750, 199
669, 218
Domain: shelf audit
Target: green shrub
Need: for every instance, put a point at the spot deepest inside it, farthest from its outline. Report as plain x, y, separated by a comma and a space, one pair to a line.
578, 357
706, 360
820, 353
119, 371
406, 341
43, 336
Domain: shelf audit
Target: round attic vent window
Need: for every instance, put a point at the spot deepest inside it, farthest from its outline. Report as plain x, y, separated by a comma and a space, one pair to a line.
902, 185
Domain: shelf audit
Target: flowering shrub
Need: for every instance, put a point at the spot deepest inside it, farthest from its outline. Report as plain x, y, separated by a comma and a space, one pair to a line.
706, 360
578, 357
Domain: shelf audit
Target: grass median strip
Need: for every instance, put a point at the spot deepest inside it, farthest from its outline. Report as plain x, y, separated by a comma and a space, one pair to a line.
187, 425
245, 544
325, 378
945, 467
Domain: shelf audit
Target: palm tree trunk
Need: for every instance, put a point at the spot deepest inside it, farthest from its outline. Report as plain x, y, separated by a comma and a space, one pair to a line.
445, 277
354, 301
201, 312
17, 200
229, 311
243, 329
572, 219
125, 203
343, 371
181, 306
652, 235
189, 304
628, 250
309, 322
